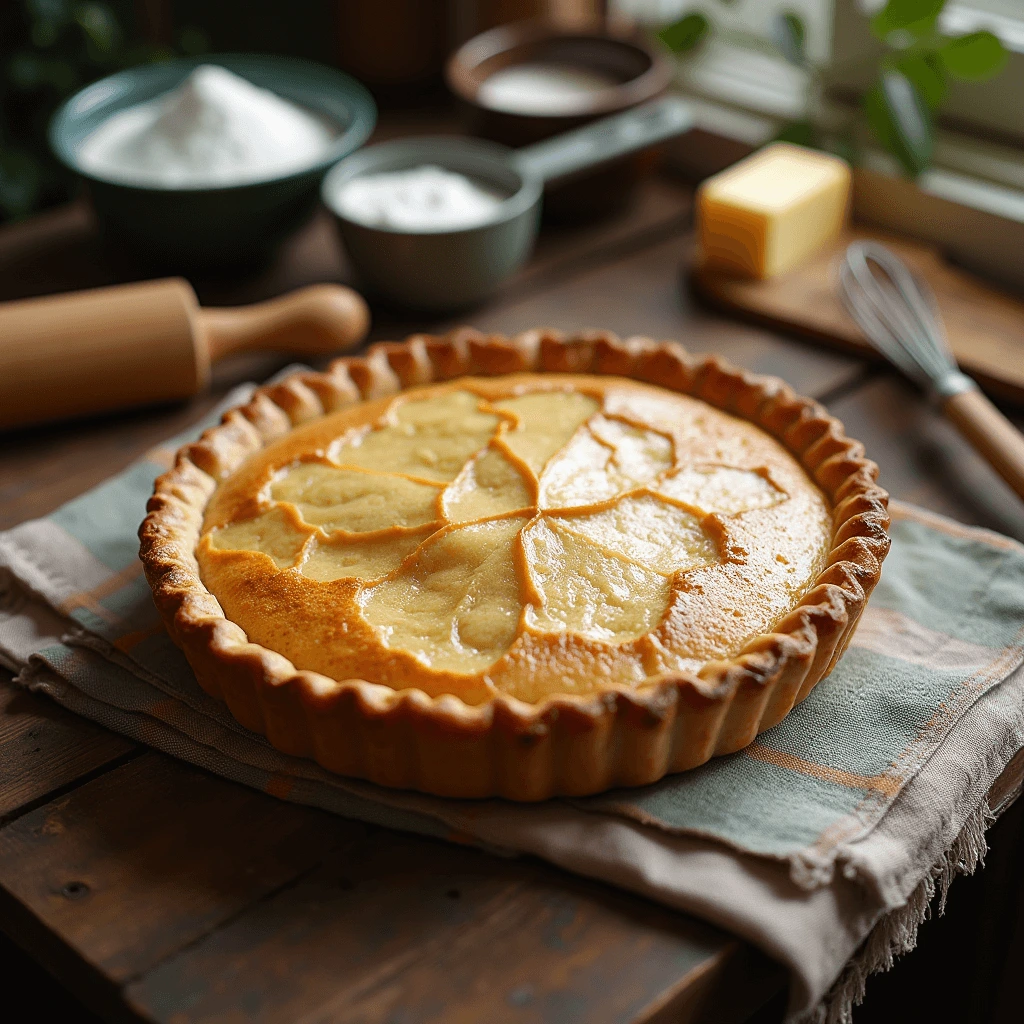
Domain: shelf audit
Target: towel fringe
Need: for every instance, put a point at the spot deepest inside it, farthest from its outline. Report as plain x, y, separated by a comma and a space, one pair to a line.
896, 933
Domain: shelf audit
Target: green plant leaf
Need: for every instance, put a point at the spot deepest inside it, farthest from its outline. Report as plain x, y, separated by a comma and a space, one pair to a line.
100, 26
25, 71
800, 133
916, 17
19, 183
974, 57
790, 37
46, 18
925, 71
683, 35
193, 41
846, 146
901, 121
56, 10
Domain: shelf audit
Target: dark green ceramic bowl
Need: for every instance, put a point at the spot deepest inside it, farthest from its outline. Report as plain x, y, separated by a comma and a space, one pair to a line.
186, 229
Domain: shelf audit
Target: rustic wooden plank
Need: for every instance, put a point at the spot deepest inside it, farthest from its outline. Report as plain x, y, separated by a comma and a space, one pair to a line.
45, 466
660, 207
403, 928
923, 459
61, 250
23, 980
77, 983
55, 251
644, 293
44, 748
143, 860
315, 254
212, 901
984, 325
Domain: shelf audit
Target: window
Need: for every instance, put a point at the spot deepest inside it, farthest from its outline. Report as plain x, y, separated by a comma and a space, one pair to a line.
736, 69
970, 203
993, 109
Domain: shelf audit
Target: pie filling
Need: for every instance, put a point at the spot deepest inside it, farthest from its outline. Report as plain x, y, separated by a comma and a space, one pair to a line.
528, 535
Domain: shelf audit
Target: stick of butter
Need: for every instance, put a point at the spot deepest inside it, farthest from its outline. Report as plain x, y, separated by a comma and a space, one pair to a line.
773, 210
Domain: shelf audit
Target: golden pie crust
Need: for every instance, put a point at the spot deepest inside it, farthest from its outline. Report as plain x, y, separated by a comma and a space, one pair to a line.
665, 652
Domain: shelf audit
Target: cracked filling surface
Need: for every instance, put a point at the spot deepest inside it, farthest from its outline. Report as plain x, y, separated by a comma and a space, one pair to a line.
528, 535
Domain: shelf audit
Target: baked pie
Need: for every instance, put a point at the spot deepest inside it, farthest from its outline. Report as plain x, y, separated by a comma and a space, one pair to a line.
526, 567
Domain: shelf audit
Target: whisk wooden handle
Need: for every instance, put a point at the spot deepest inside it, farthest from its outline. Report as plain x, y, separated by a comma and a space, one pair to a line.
991, 433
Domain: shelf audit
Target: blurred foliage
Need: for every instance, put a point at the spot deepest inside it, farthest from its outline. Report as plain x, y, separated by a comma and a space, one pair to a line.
914, 72
911, 75
51, 48
687, 33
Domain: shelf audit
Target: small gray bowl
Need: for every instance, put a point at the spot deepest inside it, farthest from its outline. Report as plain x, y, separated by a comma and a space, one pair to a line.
187, 229
440, 270
450, 270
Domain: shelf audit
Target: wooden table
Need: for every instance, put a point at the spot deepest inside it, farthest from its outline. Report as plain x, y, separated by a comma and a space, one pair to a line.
154, 891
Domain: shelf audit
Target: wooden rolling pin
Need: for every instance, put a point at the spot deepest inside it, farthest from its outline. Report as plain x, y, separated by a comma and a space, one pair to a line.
139, 344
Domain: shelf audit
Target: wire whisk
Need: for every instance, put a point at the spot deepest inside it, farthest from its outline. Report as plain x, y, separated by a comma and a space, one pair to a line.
900, 317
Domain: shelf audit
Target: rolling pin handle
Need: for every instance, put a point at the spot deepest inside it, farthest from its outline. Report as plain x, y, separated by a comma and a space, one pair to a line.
316, 321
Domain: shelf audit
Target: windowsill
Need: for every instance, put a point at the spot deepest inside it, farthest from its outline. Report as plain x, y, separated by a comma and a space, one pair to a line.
971, 202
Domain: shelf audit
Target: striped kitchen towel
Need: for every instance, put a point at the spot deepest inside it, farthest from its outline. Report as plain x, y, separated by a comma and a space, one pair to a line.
819, 842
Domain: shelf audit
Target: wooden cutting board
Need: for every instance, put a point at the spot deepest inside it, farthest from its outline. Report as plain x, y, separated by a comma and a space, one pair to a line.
985, 326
